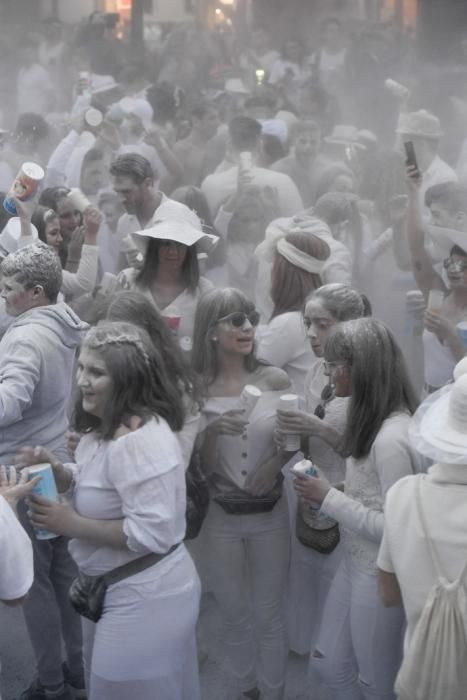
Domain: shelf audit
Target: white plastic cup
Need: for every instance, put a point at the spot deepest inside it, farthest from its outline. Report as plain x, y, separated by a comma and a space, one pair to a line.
25, 186
79, 200
46, 488
435, 301
461, 329
249, 398
93, 117
289, 402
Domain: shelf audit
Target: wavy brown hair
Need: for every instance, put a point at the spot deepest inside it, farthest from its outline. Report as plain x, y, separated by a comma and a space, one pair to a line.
141, 384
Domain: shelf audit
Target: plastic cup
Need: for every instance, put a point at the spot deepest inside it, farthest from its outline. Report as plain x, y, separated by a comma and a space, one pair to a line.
435, 301
93, 117
25, 186
46, 488
249, 398
461, 329
289, 402
172, 318
79, 200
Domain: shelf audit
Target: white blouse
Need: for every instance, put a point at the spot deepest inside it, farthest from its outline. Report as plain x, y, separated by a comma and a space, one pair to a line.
139, 478
185, 303
240, 455
359, 510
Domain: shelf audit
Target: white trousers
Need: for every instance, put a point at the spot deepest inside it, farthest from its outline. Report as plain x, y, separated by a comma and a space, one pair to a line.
310, 577
249, 557
359, 647
144, 645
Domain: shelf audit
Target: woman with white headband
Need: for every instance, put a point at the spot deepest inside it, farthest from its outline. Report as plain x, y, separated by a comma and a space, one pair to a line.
299, 259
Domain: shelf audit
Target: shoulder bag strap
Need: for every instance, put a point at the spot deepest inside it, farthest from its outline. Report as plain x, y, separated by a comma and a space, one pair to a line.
135, 566
431, 547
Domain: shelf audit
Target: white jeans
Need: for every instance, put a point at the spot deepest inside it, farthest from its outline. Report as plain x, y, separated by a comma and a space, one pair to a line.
359, 647
249, 556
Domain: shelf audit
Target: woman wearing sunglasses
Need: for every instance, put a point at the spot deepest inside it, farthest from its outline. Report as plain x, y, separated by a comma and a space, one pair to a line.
320, 425
246, 529
358, 648
298, 261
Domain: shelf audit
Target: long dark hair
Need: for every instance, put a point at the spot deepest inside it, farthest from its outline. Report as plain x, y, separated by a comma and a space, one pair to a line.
379, 380
141, 384
41, 217
290, 285
190, 269
214, 305
134, 307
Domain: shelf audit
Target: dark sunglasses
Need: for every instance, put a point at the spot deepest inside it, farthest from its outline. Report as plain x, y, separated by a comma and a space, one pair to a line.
237, 319
326, 396
458, 265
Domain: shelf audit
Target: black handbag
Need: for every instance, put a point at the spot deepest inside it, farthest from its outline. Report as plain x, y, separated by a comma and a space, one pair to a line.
197, 497
322, 541
87, 593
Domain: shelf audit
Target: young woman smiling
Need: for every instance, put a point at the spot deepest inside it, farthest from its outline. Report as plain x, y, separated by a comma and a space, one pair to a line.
247, 523
128, 500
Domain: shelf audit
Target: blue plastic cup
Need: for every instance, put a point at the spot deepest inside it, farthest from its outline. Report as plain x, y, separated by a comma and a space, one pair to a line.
461, 329
46, 488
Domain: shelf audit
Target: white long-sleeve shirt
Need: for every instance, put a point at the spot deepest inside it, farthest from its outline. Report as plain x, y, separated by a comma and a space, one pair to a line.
360, 509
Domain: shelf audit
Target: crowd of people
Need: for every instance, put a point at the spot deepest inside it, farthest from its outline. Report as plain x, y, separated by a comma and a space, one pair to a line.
234, 263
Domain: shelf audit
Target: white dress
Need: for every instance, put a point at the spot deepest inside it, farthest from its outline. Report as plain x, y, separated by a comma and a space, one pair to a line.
144, 645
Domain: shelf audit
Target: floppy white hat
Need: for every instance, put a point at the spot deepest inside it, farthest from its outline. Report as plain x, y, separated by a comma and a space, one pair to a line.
421, 123
439, 427
10, 237
178, 231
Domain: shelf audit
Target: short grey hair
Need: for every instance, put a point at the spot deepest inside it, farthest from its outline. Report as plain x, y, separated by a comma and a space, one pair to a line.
35, 265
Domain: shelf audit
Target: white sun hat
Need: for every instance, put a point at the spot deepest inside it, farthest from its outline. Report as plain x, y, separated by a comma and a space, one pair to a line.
439, 427
169, 230
443, 239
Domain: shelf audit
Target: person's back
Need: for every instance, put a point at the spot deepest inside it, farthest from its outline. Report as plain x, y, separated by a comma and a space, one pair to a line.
405, 550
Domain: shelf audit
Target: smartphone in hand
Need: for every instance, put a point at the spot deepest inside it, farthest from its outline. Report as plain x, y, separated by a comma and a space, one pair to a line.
411, 159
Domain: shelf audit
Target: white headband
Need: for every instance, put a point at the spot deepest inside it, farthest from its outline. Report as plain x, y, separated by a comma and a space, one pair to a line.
299, 258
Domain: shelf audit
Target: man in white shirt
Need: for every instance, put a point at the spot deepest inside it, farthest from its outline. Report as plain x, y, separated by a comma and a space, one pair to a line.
423, 129
133, 182
35, 91
245, 137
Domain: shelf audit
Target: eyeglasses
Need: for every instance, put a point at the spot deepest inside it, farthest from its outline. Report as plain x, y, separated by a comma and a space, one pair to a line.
327, 395
329, 366
237, 319
457, 265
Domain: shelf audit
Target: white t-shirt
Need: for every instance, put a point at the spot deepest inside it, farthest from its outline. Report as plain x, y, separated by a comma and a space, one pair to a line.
404, 550
219, 186
16, 571
33, 91
283, 343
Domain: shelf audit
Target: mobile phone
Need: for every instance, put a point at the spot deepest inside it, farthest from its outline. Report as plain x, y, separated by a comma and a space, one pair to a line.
260, 76
411, 160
